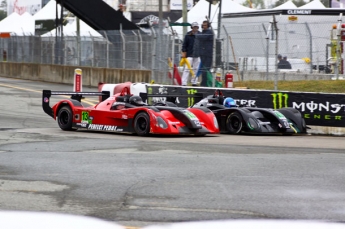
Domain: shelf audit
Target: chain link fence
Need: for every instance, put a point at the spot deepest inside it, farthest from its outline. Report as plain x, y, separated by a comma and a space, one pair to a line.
115, 49
244, 43
253, 43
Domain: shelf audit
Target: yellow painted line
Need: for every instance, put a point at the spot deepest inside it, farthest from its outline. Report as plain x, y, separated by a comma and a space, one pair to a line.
87, 101
20, 88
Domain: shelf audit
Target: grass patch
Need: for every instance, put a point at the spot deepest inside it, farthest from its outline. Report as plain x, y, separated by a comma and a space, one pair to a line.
322, 86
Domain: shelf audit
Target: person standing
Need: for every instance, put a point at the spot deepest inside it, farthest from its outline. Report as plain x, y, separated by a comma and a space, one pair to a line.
205, 44
283, 64
287, 62
192, 57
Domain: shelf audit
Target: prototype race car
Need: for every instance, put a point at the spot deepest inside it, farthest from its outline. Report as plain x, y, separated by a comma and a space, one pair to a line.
233, 119
123, 112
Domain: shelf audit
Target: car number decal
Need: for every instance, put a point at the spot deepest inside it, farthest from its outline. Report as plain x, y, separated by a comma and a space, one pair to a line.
85, 118
197, 123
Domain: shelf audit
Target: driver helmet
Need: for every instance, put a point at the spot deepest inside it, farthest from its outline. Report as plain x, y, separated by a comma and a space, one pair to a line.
229, 102
136, 100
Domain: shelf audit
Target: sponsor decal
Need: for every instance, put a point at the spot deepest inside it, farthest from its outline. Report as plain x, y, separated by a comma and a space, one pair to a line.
286, 124
149, 92
177, 4
312, 107
292, 18
77, 83
161, 91
84, 125
280, 100
124, 117
279, 115
311, 110
46, 100
104, 127
191, 99
244, 102
197, 123
299, 11
190, 115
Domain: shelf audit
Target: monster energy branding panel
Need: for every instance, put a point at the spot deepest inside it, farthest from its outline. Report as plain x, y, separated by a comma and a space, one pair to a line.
319, 109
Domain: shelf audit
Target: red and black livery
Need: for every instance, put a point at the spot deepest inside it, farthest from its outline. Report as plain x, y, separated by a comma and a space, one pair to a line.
116, 114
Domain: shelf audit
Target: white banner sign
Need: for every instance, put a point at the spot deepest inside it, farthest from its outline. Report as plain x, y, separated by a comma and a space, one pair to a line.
177, 4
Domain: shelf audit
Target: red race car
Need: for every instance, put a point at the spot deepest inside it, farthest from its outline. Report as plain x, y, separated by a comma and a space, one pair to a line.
123, 112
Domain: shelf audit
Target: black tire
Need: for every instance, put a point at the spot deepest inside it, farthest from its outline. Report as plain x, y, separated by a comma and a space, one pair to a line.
65, 117
234, 123
142, 124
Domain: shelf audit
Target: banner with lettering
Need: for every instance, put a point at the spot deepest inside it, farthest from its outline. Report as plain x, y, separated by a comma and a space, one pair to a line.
319, 109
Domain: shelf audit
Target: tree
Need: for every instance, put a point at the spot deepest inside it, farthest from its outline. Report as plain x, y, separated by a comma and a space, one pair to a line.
325, 3
3, 5
299, 3
3, 14
3, 9
257, 4
279, 2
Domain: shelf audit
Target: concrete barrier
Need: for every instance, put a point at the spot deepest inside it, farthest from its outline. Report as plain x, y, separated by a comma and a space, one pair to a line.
65, 74
285, 75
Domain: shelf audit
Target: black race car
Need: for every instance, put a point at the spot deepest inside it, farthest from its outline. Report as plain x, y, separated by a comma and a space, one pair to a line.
236, 119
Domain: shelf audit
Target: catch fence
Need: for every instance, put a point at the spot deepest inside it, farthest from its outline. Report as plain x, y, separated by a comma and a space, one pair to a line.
244, 44
310, 42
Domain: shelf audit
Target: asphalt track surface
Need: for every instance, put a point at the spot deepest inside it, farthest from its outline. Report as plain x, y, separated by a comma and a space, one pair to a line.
138, 181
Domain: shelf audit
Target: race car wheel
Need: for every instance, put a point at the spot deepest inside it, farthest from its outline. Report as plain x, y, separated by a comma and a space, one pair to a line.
64, 118
142, 124
234, 123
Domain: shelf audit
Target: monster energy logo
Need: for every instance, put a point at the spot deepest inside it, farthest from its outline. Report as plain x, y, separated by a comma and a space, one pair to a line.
280, 100
191, 99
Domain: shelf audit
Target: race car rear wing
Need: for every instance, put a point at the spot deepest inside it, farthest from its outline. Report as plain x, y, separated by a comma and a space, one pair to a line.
46, 94
172, 97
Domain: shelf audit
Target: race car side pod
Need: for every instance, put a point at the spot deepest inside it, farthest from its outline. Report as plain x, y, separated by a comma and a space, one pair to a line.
46, 94
172, 97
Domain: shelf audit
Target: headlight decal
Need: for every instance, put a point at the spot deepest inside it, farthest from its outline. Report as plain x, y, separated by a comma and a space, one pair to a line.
252, 124
161, 123
215, 122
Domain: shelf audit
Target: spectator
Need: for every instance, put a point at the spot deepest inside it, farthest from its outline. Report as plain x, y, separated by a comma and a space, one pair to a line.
188, 52
287, 62
205, 47
283, 63
126, 14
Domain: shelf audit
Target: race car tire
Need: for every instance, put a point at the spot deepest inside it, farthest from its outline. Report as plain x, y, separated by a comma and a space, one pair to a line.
64, 118
142, 124
234, 123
